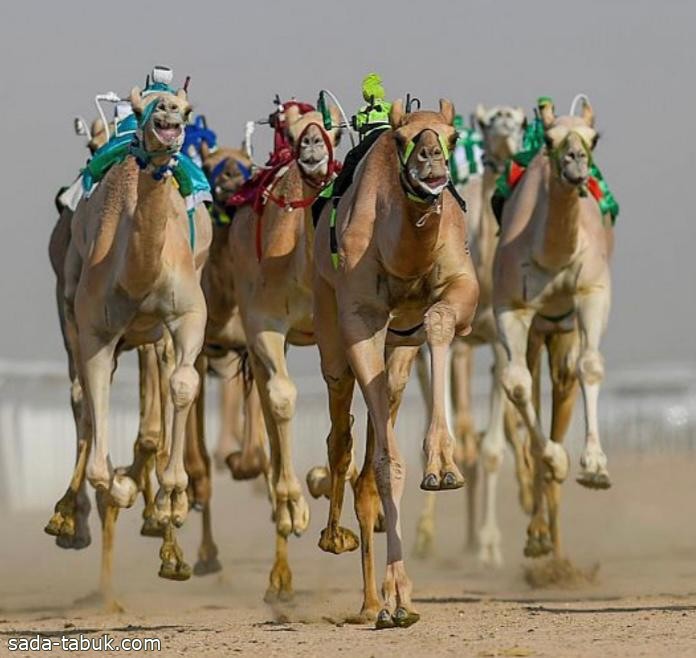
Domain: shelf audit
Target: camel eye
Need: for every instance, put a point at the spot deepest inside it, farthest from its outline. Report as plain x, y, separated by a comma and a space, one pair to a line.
549, 142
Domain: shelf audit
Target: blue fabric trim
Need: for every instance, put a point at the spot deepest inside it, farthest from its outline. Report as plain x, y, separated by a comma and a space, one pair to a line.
196, 134
217, 170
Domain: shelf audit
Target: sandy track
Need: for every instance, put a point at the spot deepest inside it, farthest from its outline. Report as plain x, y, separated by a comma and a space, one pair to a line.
641, 533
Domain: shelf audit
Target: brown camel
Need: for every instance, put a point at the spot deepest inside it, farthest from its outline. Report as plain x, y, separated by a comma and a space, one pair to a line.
272, 262
502, 128
402, 275
132, 277
224, 343
552, 275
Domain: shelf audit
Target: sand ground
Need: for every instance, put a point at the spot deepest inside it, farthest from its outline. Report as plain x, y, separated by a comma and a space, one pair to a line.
641, 533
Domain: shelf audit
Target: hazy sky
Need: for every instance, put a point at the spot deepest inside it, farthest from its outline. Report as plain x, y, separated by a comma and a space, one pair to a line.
633, 58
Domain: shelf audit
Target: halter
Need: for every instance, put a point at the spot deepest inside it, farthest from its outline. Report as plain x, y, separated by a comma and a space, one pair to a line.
412, 193
220, 167
331, 171
555, 156
143, 157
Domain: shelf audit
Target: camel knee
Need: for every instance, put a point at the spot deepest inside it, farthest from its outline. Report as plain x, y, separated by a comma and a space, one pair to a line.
184, 386
440, 323
282, 396
591, 367
517, 382
492, 453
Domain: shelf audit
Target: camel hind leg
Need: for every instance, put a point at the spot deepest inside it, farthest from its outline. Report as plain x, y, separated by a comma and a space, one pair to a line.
340, 383
425, 528
563, 354
198, 468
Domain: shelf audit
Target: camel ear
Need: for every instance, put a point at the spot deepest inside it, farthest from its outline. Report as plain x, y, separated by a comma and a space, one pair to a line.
396, 114
182, 94
587, 113
447, 111
337, 130
480, 115
548, 116
136, 101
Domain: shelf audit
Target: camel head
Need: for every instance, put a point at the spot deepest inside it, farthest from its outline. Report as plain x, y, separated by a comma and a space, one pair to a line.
570, 141
424, 141
162, 116
227, 169
502, 127
314, 146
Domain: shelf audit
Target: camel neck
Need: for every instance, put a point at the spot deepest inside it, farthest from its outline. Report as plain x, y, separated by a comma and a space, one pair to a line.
147, 235
558, 243
411, 246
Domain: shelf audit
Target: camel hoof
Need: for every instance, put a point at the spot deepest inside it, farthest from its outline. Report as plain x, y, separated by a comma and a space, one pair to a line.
380, 523
151, 528
384, 620
205, 567
450, 480
594, 480
123, 490
59, 526
275, 595
75, 542
538, 547
319, 482
245, 469
175, 571
337, 541
403, 618
430, 482
556, 458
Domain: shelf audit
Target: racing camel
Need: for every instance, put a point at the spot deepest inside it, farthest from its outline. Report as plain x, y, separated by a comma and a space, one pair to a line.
392, 270
133, 268
552, 276
502, 128
270, 249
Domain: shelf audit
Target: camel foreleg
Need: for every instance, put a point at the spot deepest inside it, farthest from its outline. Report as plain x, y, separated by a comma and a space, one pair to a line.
593, 312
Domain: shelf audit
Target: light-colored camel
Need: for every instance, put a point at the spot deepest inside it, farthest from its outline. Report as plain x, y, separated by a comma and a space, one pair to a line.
272, 263
502, 128
552, 267
132, 277
69, 523
224, 343
404, 275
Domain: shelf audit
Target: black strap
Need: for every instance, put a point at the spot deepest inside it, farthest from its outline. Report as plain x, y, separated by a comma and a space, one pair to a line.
406, 332
453, 191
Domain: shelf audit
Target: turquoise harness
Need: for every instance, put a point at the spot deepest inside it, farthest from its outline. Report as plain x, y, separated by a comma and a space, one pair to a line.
188, 176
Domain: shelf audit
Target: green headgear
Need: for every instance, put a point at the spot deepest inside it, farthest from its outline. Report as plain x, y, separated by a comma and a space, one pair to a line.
458, 122
372, 87
543, 101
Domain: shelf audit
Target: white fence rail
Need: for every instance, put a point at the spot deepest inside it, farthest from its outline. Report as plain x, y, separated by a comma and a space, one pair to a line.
639, 411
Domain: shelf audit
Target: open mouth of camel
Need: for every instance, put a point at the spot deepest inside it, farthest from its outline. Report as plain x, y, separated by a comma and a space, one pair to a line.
167, 132
313, 166
575, 180
434, 184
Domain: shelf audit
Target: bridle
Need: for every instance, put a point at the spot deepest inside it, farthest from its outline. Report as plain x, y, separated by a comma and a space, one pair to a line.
143, 157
